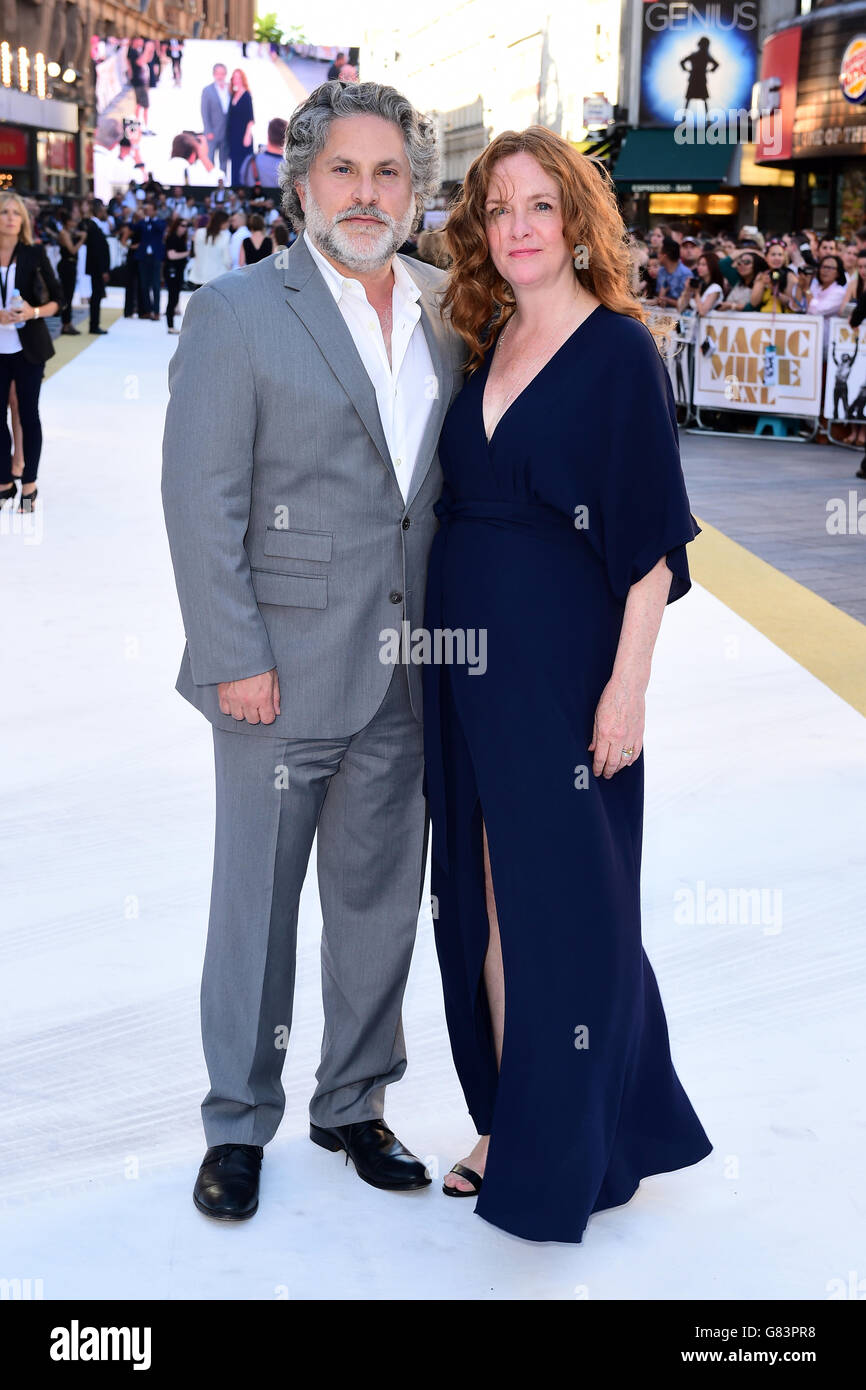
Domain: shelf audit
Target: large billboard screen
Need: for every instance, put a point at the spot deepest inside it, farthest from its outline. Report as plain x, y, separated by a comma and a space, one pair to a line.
191, 112
696, 58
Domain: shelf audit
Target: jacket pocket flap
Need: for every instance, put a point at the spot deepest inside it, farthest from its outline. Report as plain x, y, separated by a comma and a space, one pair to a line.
299, 545
295, 590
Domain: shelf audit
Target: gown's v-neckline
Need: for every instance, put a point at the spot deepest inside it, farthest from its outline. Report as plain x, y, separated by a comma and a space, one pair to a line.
511, 404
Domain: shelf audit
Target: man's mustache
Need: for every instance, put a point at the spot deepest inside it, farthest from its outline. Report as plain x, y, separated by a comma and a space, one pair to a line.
365, 212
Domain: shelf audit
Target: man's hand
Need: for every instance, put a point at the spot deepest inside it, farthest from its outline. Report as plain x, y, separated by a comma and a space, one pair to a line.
255, 699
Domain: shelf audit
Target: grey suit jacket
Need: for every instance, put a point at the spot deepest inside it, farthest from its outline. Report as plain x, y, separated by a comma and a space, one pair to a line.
212, 114
291, 542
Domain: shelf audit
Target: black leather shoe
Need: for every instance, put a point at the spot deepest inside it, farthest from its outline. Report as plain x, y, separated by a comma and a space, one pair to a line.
379, 1157
227, 1186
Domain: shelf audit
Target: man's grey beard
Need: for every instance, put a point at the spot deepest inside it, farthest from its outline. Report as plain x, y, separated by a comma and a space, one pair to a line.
331, 239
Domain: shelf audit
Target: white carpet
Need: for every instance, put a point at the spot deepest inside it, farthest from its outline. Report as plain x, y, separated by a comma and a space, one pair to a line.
755, 775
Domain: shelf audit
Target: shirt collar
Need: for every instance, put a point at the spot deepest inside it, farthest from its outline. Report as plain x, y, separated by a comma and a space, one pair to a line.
337, 282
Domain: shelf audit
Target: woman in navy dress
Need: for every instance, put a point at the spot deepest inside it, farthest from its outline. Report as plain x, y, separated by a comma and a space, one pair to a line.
239, 127
563, 529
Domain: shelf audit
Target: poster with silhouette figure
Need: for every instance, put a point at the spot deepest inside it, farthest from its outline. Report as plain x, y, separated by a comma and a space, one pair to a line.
845, 385
697, 60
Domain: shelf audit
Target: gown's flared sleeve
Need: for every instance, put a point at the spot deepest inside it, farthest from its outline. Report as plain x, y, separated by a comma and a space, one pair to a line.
643, 501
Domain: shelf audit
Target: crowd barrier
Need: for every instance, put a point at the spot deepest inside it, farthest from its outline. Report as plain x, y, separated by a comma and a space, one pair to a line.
767, 365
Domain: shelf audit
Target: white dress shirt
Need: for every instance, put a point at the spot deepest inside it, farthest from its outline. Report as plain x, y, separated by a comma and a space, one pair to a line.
9, 339
406, 387
239, 236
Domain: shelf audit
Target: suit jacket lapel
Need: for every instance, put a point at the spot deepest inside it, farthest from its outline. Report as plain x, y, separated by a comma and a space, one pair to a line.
312, 301
435, 333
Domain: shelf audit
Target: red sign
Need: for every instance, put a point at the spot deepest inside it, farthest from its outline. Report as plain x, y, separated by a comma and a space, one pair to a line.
14, 148
59, 151
780, 63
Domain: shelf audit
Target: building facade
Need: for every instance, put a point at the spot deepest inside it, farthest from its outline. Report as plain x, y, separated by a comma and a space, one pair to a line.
814, 68
691, 148
481, 67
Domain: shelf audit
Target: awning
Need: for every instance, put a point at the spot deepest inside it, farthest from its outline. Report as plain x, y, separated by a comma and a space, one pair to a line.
651, 161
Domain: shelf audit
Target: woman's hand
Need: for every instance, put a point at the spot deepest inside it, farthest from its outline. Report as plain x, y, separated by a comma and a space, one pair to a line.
7, 316
619, 717
23, 314
618, 723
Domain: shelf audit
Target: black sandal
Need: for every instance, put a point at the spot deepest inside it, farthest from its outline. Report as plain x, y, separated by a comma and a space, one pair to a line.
27, 500
9, 493
463, 1172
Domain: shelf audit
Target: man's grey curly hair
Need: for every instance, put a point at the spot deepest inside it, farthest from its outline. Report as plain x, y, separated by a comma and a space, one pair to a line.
310, 123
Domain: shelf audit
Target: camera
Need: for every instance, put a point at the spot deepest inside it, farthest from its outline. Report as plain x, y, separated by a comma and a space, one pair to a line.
775, 276
694, 280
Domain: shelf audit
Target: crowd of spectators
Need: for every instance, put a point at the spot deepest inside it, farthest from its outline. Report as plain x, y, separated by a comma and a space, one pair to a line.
794, 272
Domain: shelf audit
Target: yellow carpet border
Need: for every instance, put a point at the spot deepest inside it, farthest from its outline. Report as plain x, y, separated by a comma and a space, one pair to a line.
818, 635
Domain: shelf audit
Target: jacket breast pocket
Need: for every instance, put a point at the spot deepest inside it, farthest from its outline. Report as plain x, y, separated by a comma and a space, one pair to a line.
299, 545
290, 590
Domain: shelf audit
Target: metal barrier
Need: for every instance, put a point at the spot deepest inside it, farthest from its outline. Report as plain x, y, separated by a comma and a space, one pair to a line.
764, 365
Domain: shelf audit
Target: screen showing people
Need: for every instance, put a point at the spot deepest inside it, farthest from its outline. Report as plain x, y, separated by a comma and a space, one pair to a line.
199, 112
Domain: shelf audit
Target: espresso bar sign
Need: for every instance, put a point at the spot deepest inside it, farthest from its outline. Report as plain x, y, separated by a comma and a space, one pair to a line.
760, 361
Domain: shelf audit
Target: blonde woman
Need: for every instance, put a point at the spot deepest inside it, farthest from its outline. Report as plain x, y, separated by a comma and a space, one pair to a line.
564, 522
29, 293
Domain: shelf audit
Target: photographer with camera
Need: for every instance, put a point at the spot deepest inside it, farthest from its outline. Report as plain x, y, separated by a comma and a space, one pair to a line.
772, 289
705, 287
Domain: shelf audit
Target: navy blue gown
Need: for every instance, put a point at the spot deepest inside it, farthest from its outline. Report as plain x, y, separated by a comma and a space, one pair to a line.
541, 534
240, 113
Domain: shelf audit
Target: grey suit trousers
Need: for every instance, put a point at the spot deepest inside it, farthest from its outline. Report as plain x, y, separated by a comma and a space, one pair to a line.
362, 794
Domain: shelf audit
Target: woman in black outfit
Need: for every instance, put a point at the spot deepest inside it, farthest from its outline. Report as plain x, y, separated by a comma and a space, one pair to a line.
174, 265
69, 238
257, 245
25, 272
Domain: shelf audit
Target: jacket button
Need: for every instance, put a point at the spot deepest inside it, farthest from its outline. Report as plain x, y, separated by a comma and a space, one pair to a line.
395, 596
405, 523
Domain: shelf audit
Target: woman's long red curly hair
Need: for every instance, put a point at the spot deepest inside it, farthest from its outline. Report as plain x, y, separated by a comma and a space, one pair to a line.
476, 294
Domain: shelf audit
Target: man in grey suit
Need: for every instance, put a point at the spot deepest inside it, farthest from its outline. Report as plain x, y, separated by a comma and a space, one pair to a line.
299, 476
215, 98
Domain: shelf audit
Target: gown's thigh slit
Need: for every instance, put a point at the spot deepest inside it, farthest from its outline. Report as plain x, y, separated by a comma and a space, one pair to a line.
494, 933
463, 931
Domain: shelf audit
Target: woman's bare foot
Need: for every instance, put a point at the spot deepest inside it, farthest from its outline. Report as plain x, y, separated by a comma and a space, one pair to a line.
476, 1161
